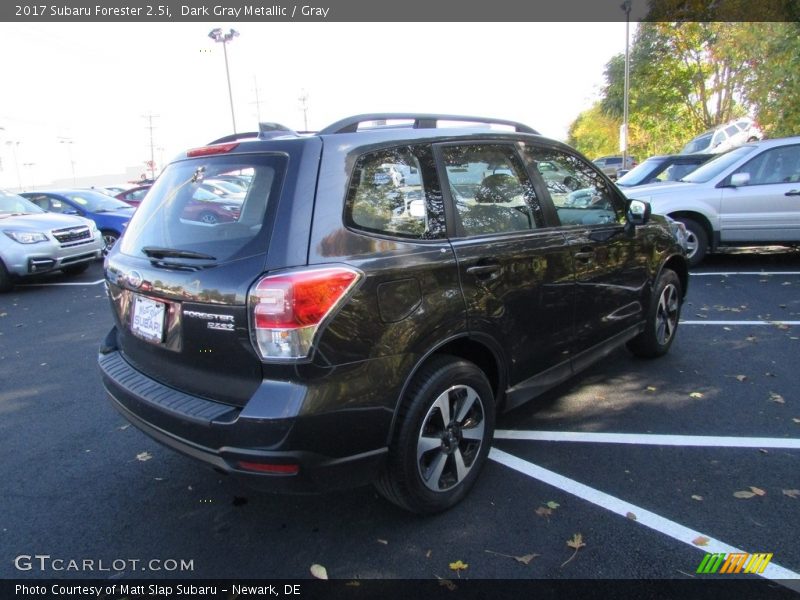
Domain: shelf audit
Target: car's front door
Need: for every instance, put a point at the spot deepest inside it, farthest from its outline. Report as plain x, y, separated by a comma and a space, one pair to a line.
611, 268
767, 208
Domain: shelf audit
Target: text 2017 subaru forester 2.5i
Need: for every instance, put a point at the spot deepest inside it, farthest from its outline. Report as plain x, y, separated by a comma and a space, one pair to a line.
351, 328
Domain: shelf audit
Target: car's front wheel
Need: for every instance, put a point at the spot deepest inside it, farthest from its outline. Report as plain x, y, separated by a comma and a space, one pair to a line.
444, 429
662, 318
696, 241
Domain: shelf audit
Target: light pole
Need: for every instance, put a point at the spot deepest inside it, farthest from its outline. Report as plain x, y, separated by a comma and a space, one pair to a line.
304, 105
626, 6
15, 149
217, 35
69, 142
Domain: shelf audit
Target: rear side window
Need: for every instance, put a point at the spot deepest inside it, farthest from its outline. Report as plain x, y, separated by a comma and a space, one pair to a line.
490, 189
391, 193
214, 206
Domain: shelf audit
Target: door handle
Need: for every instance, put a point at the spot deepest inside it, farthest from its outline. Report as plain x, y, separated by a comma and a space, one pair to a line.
792, 193
585, 254
485, 271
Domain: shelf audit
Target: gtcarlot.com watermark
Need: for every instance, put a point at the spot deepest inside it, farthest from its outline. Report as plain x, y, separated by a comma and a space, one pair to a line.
45, 563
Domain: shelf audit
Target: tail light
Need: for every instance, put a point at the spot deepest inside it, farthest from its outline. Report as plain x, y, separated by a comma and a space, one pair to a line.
286, 310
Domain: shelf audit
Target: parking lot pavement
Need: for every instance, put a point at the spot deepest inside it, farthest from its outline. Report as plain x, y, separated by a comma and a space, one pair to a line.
642, 458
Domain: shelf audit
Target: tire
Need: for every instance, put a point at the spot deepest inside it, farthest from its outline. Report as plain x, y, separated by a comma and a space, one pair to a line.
434, 461
109, 239
662, 318
697, 241
209, 218
75, 269
6, 283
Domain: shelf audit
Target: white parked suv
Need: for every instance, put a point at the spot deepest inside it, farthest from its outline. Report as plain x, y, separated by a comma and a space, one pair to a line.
749, 196
33, 241
724, 137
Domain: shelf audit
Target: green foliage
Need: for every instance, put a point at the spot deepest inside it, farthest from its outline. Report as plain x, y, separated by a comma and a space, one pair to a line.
687, 77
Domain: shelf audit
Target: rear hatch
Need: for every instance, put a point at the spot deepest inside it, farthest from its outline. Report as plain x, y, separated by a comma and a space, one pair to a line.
178, 280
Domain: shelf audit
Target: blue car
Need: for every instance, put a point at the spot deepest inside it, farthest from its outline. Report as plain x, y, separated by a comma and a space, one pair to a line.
109, 214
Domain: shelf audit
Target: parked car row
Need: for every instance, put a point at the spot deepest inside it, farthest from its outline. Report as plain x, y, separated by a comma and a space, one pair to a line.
745, 197
35, 241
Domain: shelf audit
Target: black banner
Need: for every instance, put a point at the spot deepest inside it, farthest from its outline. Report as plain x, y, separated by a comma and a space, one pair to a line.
436, 589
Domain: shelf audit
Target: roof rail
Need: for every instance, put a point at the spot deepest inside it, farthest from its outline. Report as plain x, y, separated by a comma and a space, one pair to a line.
421, 121
265, 131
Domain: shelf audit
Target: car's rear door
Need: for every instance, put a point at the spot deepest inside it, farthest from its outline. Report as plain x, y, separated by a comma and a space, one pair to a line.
516, 274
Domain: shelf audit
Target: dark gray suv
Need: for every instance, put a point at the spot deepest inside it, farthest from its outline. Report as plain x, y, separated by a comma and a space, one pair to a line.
345, 327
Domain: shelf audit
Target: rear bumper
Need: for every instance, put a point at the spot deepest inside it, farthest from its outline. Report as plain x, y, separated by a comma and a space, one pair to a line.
223, 437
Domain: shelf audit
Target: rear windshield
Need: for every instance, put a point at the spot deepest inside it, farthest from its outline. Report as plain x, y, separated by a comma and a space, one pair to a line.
183, 212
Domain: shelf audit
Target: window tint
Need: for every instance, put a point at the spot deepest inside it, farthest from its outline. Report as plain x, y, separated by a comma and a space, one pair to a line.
179, 213
580, 194
490, 189
778, 165
389, 194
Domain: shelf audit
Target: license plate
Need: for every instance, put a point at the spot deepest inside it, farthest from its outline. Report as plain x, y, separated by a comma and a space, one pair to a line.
147, 320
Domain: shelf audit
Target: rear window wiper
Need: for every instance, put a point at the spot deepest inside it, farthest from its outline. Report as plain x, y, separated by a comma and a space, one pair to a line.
156, 252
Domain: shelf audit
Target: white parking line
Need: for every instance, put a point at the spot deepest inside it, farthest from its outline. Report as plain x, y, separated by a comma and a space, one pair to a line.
643, 517
758, 323
648, 439
760, 273
98, 282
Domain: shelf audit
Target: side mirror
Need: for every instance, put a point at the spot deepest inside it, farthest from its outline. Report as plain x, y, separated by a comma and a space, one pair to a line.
638, 212
740, 179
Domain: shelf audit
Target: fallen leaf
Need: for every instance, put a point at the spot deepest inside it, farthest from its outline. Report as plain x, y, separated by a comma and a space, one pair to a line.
727, 329
796, 420
631, 516
319, 571
698, 498
123, 427
741, 377
757, 491
384, 542
763, 451
650, 388
701, 541
776, 398
428, 554
458, 566
353, 583
144, 456
783, 326
696, 395
792, 493
525, 559
743, 494
544, 512
577, 543
553, 505
750, 338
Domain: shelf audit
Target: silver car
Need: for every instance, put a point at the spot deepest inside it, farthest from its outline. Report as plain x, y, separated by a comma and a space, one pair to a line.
33, 241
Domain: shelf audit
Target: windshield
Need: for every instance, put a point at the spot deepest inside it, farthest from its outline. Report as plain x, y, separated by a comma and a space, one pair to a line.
714, 167
94, 202
13, 204
643, 173
180, 218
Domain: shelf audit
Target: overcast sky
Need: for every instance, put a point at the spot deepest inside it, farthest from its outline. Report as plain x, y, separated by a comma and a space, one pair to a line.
93, 83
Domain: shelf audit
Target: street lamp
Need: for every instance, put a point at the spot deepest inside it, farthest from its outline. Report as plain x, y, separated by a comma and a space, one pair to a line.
217, 35
626, 6
15, 149
304, 106
69, 142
